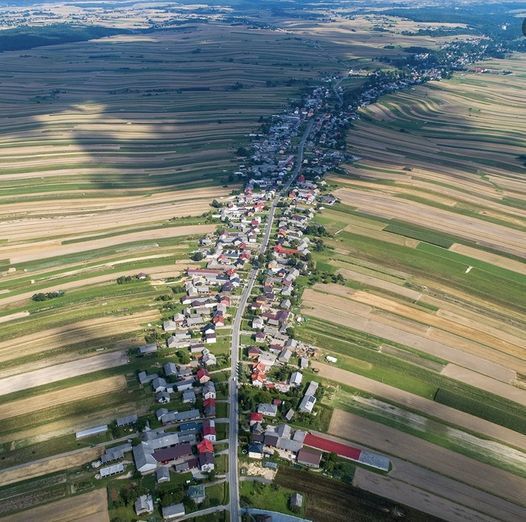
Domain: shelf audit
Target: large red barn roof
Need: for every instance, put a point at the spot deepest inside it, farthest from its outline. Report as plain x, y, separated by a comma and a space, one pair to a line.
343, 450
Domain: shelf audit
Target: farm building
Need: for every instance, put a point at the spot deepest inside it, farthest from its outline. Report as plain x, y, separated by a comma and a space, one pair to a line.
162, 474
108, 471
126, 421
309, 457
115, 453
148, 349
89, 432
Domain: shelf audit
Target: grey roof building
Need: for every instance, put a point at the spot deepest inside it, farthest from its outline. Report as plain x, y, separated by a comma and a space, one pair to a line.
173, 511
144, 504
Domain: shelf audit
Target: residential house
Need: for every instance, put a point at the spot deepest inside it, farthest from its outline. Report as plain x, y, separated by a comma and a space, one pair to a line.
144, 505
209, 390
202, 376
189, 396
295, 379
173, 511
162, 474
268, 410
197, 493
206, 462
209, 430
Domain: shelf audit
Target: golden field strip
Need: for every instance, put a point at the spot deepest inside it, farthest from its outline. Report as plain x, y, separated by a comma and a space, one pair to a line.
464, 352
62, 371
48, 465
51, 399
88, 507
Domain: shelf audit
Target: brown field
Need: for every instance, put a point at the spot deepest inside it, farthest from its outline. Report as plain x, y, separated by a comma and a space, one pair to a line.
481, 381
70, 334
49, 465
380, 283
496, 236
417, 498
443, 461
61, 371
363, 317
89, 507
420, 404
56, 398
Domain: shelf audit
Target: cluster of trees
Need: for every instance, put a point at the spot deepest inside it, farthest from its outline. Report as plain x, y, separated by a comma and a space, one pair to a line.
47, 295
122, 280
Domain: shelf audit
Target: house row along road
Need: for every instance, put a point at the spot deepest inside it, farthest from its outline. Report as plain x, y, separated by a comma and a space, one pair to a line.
236, 328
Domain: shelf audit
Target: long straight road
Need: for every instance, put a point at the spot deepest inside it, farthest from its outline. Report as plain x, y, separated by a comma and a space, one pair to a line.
233, 478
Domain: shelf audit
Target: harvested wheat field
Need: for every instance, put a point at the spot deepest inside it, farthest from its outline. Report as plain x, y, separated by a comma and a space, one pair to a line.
363, 317
413, 496
468, 376
56, 398
443, 461
88, 507
425, 501
421, 404
46, 340
54, 248
59, 372
49, 465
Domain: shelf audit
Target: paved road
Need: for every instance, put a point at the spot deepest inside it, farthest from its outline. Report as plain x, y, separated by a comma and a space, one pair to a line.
236, 328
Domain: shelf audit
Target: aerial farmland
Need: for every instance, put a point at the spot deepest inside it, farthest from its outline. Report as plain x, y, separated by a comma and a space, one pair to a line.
262, 262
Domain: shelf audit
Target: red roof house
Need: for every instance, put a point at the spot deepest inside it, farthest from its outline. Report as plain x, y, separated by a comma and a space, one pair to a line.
205, 446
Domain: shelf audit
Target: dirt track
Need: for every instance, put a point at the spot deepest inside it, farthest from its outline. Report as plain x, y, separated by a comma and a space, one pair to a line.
426, 406
61, 371
443, 461
56, 398
89, 507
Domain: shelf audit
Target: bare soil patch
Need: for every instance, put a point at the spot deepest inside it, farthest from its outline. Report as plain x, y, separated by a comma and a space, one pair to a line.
417, 498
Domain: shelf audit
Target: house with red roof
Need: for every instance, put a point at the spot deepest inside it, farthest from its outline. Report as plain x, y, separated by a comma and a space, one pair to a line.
202, 375
255, 418
280, 249
209, 430
205, 446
